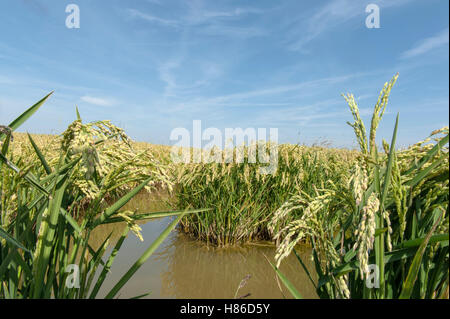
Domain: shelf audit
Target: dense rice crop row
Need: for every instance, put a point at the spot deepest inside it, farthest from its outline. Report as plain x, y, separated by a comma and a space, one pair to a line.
243, 199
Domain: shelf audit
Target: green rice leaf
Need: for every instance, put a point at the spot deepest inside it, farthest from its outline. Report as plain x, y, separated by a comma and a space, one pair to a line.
408, 284
41, 157
119, 204
25, 115
287, 283
150, 250
12, 240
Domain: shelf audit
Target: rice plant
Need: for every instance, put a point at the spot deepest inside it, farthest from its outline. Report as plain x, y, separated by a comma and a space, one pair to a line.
243, 199
384, 232
44, 240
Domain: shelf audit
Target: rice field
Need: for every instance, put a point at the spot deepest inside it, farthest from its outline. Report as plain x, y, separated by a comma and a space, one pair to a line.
376, 219
243, 200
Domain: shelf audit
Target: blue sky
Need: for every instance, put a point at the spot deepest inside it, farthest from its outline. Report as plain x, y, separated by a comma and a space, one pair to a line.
153, 65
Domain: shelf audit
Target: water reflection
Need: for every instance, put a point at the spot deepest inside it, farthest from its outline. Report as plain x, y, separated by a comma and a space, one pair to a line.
185, 268
197, 271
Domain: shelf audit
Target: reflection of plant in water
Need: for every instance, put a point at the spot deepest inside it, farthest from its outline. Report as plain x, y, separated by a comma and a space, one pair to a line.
197, 271
242, 285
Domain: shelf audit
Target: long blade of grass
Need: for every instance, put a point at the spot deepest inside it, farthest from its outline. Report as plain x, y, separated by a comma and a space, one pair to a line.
156, 215
27, 176
26, 115
119, 204
419, 176
418, 241
395, 255
379, 241
70, 220
141, 296
5, 145
429, 155
108, 265
45, 241
287, 283
41, 157
408, 284
62, 170
305, 268
12, 240
150, 250
93, 264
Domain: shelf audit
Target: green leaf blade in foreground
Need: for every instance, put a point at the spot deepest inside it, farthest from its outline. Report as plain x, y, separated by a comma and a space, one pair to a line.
108, 264
379, 240
154, 215
305, 268
45, 240
41, 157
408, 285
25, 175
405, 250
10, 239
70, 220
287, 283
119, 204
25, 115
429, 155
5, 145
150, 250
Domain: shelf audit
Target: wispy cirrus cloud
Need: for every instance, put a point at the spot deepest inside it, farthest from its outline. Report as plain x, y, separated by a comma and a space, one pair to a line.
98, 100
231, 13
325, 18
166, 75
259, 98
438, 40
157, 2
329, 17
150, 18
175, 87
198, 14
206, 21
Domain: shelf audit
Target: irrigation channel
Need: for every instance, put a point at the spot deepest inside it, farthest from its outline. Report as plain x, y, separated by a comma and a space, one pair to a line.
183, 267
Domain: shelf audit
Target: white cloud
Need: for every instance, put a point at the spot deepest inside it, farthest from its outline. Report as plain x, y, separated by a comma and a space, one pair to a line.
176, 87
98, 101
205, 14
167, 76
165, 22
234, 32
427, 45
254, 98
329, 17
204, 21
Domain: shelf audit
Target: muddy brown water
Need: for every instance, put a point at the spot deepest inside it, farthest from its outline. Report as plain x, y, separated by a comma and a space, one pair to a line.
185, 268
